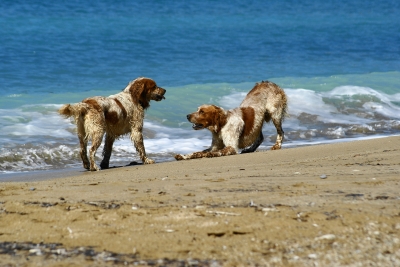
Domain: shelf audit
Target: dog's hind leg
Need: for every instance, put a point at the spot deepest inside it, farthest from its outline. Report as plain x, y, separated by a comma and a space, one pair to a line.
97, 129
255, 145
96, 142
83, 152
107, 151
280, 134
83, 143
277, 118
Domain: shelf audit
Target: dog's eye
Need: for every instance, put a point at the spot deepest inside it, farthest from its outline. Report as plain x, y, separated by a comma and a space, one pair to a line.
201, 112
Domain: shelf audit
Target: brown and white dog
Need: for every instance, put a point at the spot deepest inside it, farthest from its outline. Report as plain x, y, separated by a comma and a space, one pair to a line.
114, 116
241, 128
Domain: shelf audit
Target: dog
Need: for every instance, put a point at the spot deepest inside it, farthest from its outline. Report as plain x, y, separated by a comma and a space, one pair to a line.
114, 116
241, 128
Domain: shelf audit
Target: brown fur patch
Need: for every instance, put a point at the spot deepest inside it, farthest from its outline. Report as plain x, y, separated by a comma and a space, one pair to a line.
248, 116
111, 117
149, 84
123, 110
93, 104
148, 87
140, 92
136, 91
204, 116
209, 116
221, 119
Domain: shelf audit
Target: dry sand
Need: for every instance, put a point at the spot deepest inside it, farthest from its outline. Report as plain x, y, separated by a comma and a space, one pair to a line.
268, 208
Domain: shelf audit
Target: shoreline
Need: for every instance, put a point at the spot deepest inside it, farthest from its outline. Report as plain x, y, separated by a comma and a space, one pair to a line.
327, 205
41, 175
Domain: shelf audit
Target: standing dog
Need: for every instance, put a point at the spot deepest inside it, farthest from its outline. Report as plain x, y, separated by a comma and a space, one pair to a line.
240, 128
114, 116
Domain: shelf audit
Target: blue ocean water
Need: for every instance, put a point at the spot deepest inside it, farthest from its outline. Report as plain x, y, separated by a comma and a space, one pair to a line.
338, 62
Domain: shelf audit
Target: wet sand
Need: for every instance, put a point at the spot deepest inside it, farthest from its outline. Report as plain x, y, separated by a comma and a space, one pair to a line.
323, 205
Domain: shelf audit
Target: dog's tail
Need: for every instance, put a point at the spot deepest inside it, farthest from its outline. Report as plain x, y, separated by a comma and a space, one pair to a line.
281, 112
282, 105
285, 111
75, 110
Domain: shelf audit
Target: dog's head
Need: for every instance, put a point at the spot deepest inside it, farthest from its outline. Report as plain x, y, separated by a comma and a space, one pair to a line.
143, 90
208, 116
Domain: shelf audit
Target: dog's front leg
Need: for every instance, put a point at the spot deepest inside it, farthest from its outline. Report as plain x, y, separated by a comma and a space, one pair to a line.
220, 147
137, 140
216, 145
195, 155
226, 151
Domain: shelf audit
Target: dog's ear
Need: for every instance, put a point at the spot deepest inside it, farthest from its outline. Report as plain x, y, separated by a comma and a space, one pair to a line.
219, 119
139, 91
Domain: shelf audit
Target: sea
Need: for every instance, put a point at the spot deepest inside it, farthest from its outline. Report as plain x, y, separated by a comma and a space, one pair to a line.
338, 62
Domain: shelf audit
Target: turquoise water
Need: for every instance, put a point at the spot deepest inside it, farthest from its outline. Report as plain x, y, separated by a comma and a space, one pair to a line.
338, 63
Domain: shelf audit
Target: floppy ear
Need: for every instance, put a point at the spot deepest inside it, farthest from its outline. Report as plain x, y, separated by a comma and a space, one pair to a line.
219, 119
138, 91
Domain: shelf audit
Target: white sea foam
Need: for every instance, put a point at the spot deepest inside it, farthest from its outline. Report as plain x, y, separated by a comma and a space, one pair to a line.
311, 102
372, 101
364, 104
168, 140
36, 137
308, 101
26, 122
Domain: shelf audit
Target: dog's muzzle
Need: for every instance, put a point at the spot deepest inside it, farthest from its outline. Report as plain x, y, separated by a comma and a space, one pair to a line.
159, 94
159, 97
195, 126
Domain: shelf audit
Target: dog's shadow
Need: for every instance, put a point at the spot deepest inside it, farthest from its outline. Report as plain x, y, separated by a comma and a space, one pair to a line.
133, 163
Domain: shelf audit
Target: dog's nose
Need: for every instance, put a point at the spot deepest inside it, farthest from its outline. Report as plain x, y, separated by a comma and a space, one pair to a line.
188, 116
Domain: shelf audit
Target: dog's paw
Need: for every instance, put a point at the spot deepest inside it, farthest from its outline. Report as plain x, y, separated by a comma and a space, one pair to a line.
276, 147
148, 161
208, 154
179, 157
94, 168
104, 165
86, 166
199, 155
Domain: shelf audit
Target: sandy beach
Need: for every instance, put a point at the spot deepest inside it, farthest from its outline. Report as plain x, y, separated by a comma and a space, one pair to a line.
322, 205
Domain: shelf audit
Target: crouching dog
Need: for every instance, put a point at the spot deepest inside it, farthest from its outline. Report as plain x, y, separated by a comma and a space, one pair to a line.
241, 127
